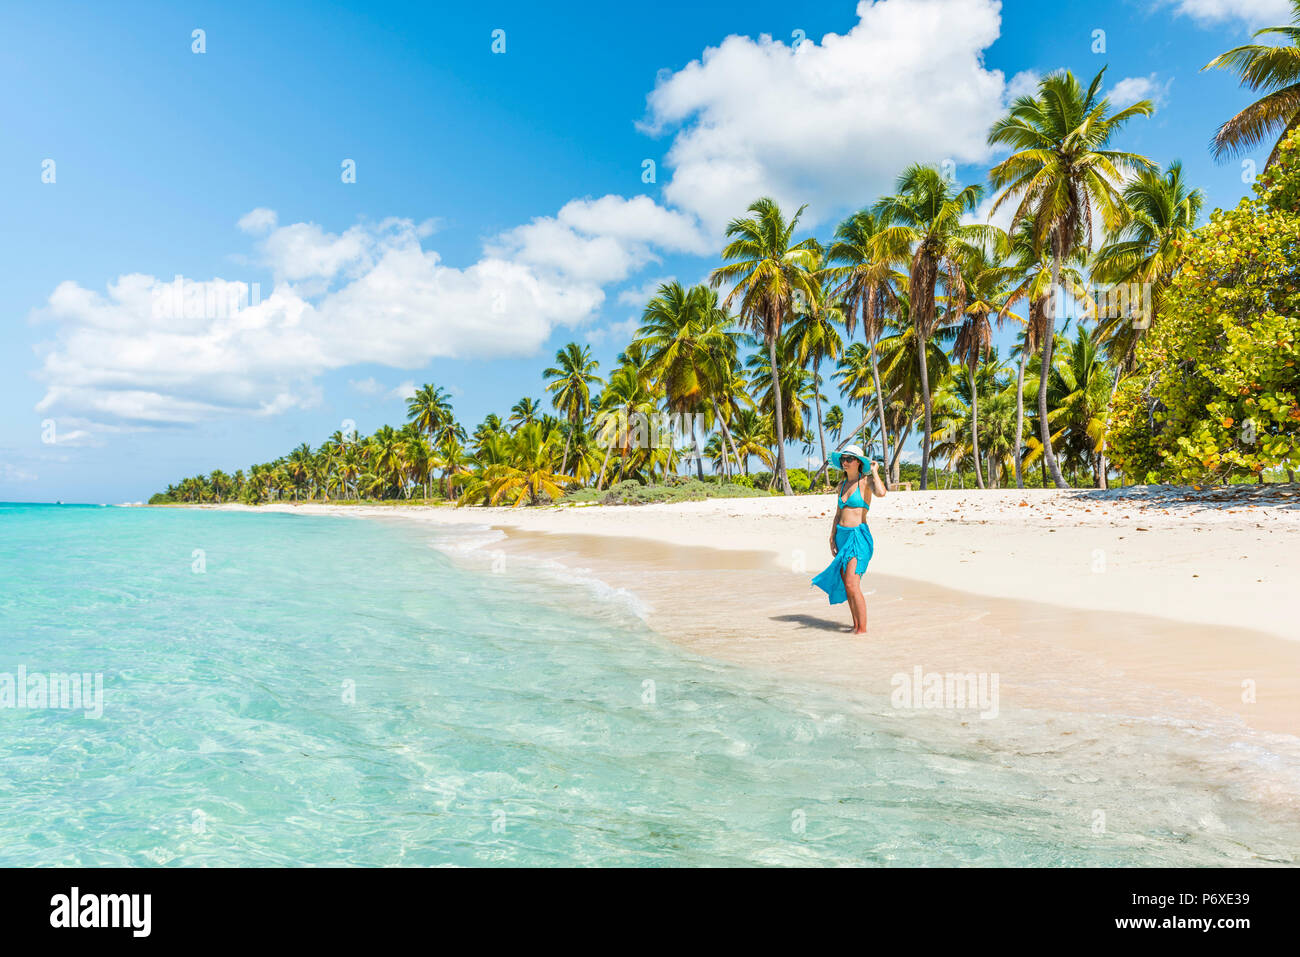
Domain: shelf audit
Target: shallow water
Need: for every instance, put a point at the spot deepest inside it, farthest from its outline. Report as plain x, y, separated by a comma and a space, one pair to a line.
317, 690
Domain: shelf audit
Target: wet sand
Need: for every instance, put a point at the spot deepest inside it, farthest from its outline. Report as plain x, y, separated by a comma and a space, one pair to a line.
1178, 605
740, 606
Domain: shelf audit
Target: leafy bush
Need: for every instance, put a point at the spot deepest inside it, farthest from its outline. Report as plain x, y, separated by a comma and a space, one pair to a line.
161, 498
799, 480
1217, 393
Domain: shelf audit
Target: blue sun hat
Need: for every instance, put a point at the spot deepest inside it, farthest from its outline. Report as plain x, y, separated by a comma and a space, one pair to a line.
849, 451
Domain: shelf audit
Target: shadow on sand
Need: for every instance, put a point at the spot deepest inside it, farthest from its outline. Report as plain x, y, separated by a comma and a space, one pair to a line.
809, 621
1210, 496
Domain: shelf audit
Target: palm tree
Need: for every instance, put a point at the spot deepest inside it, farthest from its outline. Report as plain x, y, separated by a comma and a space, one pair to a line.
867, 280
453, 460
900, 375
627, 398
676, 326
429, 410
1081, 384
571, 379
986, 295
767, 272
524, 412
1263, 66
385, 451
835, 421
1032, 268
1160, 214
859, 381
1161, 211
753, 437
1059, 171
418, 458
816, 338
796, 393
527, 472
922, 224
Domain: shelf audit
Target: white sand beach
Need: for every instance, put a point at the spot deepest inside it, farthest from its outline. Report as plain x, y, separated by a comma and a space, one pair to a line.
1129, 600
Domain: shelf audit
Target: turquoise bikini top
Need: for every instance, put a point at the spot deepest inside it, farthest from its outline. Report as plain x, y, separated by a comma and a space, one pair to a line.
853, 501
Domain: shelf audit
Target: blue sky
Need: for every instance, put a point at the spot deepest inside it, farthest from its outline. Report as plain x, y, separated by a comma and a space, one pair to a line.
499, 208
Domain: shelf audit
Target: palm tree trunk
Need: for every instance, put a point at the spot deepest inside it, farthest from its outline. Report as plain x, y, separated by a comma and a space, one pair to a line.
778, 415
564, 462
817, 401
1049, 333
1102, 467
895, 459
880, 403
1020, 417
726, 435
699, 455
600, 479
925, 402
975, 426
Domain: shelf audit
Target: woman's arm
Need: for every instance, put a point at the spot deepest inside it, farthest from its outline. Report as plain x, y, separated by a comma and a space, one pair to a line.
835, 521
878, 488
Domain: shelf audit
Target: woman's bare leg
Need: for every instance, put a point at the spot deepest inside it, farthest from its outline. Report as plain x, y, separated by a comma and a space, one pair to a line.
857, 603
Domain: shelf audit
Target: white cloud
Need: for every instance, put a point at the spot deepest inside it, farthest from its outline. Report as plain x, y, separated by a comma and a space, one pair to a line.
829, 123
601, 241
1024, 83
404, 391
258, 221
367, 386
640, 295
371, 293
1133, 88
619, 333
1250, 13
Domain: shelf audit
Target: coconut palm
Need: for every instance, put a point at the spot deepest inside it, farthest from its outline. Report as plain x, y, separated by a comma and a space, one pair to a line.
753, 435
525, 412
922, 225
1272, 67
1160, 214
835, 421
527, 474
624, 407
988, 286
677, 326
796, 393
571, 379
1081, 391
1059, 171
429, 410
816, 337
867, 280
767, 272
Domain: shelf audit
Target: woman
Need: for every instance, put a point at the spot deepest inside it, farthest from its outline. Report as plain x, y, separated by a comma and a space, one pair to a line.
851, 542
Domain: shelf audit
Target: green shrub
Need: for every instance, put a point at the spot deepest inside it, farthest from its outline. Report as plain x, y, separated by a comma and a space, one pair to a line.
1217, 391
799, 480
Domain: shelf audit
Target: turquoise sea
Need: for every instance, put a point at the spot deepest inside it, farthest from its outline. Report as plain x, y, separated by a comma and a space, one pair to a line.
295, 690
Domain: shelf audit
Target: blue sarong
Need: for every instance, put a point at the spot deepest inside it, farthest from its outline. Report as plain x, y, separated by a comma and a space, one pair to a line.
850, 543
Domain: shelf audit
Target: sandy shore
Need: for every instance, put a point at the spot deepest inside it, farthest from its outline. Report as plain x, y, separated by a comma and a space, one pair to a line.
1115, 602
